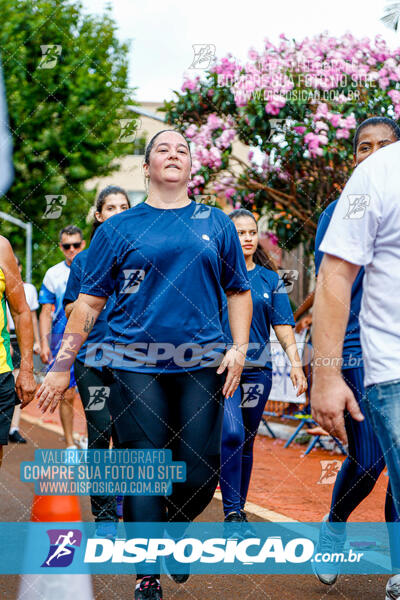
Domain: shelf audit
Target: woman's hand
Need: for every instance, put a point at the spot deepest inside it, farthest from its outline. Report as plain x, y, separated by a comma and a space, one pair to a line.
304, 323
234, 361
25, 386
52, 390
298, 379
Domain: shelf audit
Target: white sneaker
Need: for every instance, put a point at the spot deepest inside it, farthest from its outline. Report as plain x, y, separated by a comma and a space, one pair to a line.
83, 442
393, 588
329, 542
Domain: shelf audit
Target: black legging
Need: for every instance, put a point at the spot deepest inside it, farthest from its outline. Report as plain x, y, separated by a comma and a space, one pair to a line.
99, 426
182, 412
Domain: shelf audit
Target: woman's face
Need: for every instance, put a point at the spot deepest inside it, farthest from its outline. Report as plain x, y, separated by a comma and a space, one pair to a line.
248, 234
169, 160
113, 204
371, 139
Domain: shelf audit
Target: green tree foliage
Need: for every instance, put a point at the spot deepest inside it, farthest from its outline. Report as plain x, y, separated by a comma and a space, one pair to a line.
66, 76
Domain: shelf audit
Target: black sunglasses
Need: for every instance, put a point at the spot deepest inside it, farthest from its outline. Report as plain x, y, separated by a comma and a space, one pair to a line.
68, 246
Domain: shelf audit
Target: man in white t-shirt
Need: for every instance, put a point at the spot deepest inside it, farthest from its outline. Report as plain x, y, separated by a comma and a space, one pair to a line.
52, 320
364, 231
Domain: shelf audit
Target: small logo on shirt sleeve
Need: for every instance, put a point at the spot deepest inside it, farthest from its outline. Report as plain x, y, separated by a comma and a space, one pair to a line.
133, 279
357, 206
287, 280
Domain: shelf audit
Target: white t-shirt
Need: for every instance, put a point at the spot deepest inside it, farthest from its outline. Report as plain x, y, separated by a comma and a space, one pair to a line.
31, 296
365, 230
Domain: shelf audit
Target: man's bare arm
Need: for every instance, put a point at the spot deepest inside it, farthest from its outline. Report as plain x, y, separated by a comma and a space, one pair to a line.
21, 314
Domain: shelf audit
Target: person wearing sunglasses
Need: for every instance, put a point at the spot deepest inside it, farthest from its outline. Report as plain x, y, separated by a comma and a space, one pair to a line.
52, 324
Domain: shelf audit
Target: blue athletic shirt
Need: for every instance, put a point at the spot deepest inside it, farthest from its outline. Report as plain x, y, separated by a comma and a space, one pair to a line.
352, 355
169, 269
271, 306
100, 329
52, 292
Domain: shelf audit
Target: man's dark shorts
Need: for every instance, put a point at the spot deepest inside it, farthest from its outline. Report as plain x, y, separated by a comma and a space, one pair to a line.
8, 400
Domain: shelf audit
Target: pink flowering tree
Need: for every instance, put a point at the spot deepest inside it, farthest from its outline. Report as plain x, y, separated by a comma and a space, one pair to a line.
295, 106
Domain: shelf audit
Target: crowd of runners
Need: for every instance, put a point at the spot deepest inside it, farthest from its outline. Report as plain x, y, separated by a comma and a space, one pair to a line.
185, 298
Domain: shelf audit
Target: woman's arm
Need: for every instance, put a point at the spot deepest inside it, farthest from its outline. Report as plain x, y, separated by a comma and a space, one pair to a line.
286, 338
80, 324
305, 306
240, 312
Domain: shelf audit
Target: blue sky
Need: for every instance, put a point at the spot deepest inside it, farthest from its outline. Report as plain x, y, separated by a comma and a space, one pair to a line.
162, 32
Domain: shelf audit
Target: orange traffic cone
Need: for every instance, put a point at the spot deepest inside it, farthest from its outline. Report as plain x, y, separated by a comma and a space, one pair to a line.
55, 508
63, 587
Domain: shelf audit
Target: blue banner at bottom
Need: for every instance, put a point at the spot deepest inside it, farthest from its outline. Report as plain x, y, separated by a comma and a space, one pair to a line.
199, 548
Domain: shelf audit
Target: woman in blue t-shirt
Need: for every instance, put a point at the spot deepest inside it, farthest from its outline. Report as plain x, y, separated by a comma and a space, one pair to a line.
94, 388
243, 411
169, 262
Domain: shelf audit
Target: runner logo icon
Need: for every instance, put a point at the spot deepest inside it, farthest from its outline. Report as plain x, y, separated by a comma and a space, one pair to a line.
133, 279
251, 394
201, 211
63, 543
98, 397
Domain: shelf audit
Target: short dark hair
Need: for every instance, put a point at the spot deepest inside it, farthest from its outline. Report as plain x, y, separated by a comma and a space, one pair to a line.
153, 139
70, 230
375, 121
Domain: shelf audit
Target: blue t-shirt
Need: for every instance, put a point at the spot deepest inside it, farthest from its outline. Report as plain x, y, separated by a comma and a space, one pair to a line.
169, 269
99, 332
52, 292
352, 355
271, 306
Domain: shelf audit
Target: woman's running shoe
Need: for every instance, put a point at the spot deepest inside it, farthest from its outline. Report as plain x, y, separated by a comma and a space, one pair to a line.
176, 577
232, 528
106, 529
329, 542
393, 588
234, 517
148, 589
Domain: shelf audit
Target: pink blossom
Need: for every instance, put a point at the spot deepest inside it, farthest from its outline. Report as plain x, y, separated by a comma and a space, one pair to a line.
350, 122
229, 192
319, 125
191, 131
198, 180
190, 84
252, 54
299, 129
394, 96
334, 119
214, 122
342, 134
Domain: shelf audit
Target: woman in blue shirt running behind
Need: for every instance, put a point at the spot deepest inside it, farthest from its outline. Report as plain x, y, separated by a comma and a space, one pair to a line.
93, 385
169, 262
243, 411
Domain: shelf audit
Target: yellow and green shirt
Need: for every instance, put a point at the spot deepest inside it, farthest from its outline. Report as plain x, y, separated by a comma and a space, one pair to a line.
5, 355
